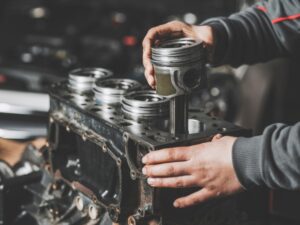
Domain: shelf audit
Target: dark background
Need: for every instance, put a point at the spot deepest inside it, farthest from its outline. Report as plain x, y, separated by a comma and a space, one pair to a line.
58, 35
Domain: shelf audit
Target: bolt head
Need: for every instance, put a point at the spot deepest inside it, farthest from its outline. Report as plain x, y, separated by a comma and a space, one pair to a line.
79, 203
94, 212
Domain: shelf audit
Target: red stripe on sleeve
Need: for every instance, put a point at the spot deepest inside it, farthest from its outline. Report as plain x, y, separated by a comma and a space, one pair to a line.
262, 8
292, 17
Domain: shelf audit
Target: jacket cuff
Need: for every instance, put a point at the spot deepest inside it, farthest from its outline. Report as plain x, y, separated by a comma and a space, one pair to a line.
220, 41
246, 157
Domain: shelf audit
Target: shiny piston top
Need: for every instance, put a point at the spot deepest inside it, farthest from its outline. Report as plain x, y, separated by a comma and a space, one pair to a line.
110, 91
178, 52
81, 80
145, 105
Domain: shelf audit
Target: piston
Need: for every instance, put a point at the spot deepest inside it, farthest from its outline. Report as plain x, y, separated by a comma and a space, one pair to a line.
145, 106
110, 91
179, 67
81, 80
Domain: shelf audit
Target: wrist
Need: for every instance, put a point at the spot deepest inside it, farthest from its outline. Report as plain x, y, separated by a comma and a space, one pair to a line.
205, 34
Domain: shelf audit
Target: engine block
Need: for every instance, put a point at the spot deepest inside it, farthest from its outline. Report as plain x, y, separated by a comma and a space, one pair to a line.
92, 168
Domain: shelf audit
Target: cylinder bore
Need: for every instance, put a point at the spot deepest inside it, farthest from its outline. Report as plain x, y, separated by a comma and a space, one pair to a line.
110, 91
81, 80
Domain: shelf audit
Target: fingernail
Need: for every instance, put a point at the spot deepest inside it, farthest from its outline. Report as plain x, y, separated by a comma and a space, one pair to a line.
144, 159
150, 181
144, 171
176, 204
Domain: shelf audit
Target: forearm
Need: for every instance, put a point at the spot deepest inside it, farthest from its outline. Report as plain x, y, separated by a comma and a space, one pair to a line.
272, 159
260, 33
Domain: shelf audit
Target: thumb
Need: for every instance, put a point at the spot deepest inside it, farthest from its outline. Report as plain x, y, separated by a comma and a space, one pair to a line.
195, 198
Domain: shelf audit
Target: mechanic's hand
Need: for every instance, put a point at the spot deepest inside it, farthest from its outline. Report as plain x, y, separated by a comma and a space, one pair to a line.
169, 30
208, 165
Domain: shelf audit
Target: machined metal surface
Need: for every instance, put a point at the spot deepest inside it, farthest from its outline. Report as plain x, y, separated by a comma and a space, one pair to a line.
93, 159
104, 169
179, 115
145, 105
110, 91
81, 80
179, 66
178, 52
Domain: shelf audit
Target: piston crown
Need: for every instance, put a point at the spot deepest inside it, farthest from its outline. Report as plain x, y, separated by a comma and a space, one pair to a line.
81, 80
143, 105
89, 74
178, 52
110, 91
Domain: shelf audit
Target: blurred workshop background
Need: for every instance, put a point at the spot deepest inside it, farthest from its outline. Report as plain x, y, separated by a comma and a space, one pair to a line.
41, 41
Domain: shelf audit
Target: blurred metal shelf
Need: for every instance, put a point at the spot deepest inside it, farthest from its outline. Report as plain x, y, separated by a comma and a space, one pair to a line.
24, 103
23, 114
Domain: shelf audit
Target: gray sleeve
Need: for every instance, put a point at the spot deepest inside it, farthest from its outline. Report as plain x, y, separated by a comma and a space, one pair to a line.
272, 159
267, 30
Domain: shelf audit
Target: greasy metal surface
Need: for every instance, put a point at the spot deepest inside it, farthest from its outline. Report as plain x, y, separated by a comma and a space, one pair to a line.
93, 160
81, 80
145, 106
111, 91
96, 150
178, 52
179, 115
90, 116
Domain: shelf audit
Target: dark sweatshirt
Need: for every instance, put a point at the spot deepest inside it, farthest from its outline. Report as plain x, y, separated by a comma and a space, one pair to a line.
265, 31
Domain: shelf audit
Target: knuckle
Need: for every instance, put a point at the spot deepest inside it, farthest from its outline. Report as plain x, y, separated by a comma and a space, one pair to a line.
180, 23
179, 183
152, 31
176, 154
171, 170
175, 22
212, 188
203, 176
170, 154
